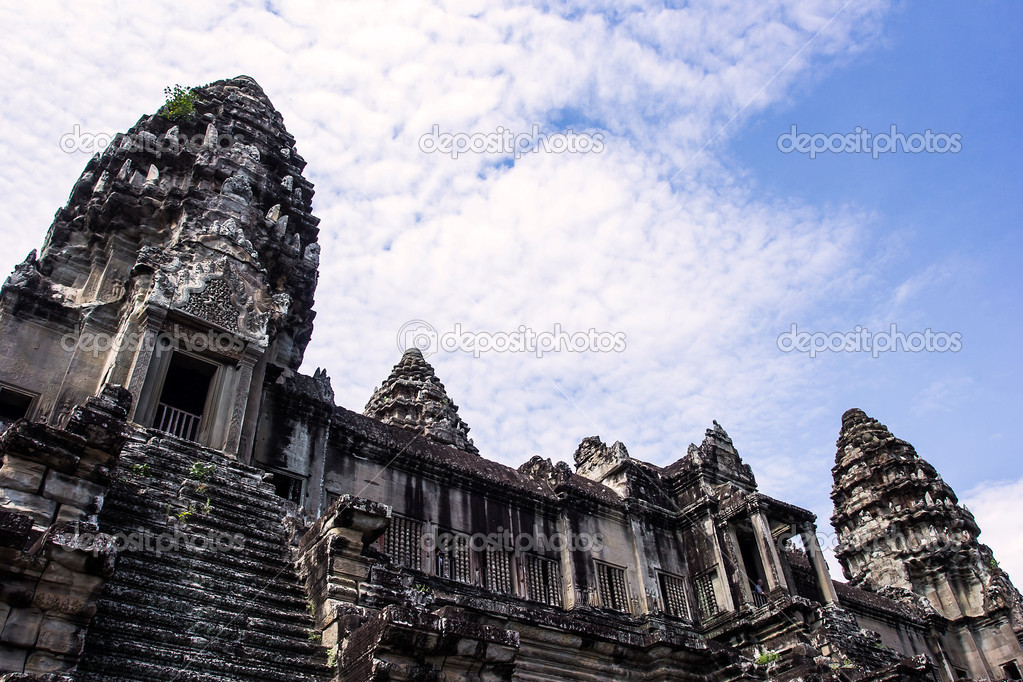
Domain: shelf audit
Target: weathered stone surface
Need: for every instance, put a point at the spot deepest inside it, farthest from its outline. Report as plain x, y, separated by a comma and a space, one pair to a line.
11, 658
17, 474
60, 636
37, 507
14, 528
21, 626
71, 490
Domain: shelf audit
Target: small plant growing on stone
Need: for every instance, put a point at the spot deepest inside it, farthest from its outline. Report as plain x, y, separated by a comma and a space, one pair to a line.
140, 469
184, 514
332, 658
180, 103
207, 507
315, 636
200, 472
767, 657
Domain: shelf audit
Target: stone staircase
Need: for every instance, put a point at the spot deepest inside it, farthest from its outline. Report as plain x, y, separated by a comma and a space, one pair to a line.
219, 600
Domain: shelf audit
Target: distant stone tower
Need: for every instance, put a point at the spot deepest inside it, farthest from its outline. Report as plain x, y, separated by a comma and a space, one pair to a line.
413, 397
900, 528
182, 267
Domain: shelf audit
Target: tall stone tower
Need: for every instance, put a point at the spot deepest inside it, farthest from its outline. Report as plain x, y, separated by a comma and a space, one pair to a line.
182, 267
901, 530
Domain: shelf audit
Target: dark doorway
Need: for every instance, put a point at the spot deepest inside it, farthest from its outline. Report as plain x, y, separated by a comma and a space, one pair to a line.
754, 566
288, 487
183, 400
14, 405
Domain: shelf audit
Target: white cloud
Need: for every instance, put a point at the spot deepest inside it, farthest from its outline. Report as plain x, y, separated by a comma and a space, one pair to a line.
998, 508
699, 273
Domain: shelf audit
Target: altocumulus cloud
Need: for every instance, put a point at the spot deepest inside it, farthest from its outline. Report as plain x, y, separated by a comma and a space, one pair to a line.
651, 237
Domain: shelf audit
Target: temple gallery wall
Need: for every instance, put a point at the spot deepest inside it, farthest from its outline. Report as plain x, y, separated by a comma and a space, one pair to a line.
179, 502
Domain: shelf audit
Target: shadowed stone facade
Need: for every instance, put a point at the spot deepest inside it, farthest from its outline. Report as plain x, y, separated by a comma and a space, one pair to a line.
178, 501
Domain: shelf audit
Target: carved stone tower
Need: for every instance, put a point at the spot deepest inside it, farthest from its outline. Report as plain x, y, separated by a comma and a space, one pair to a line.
900, 528
182, 266
413, 397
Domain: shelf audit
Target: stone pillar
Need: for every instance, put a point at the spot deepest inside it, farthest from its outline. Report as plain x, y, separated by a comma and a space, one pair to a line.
331, 560
820, 566
143, 358
241, 399
768, 551
252, 409
643, 589
724, 595
570, 598
742, 577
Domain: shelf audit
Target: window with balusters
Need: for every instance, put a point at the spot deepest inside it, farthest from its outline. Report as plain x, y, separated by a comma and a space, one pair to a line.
705, 596
543, 579
611, 588
673, 596
403, 542
453, 558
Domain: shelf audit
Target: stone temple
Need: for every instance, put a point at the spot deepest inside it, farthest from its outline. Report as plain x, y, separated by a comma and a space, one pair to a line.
179, 502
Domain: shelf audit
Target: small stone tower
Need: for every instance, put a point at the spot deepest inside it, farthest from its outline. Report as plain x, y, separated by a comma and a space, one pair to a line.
901, 529
414, 398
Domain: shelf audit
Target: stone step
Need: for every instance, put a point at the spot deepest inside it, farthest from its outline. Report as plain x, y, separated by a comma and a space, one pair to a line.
274, 599
259, 628
125, 517
149, 660
225, 481
239, 614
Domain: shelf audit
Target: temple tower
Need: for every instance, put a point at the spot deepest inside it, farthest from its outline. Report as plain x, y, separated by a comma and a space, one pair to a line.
414, 398
182, 267
900, 528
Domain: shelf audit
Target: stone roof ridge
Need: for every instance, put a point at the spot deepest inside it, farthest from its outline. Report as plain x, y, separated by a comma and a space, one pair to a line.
414, 398
552, 474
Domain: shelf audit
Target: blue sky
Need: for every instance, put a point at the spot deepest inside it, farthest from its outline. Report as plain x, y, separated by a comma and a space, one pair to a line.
689, 233
953, 219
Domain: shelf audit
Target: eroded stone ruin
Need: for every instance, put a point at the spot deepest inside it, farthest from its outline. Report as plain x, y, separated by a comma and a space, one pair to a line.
179, 502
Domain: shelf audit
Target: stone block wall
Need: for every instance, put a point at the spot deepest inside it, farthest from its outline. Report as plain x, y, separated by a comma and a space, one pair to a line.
52, 486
